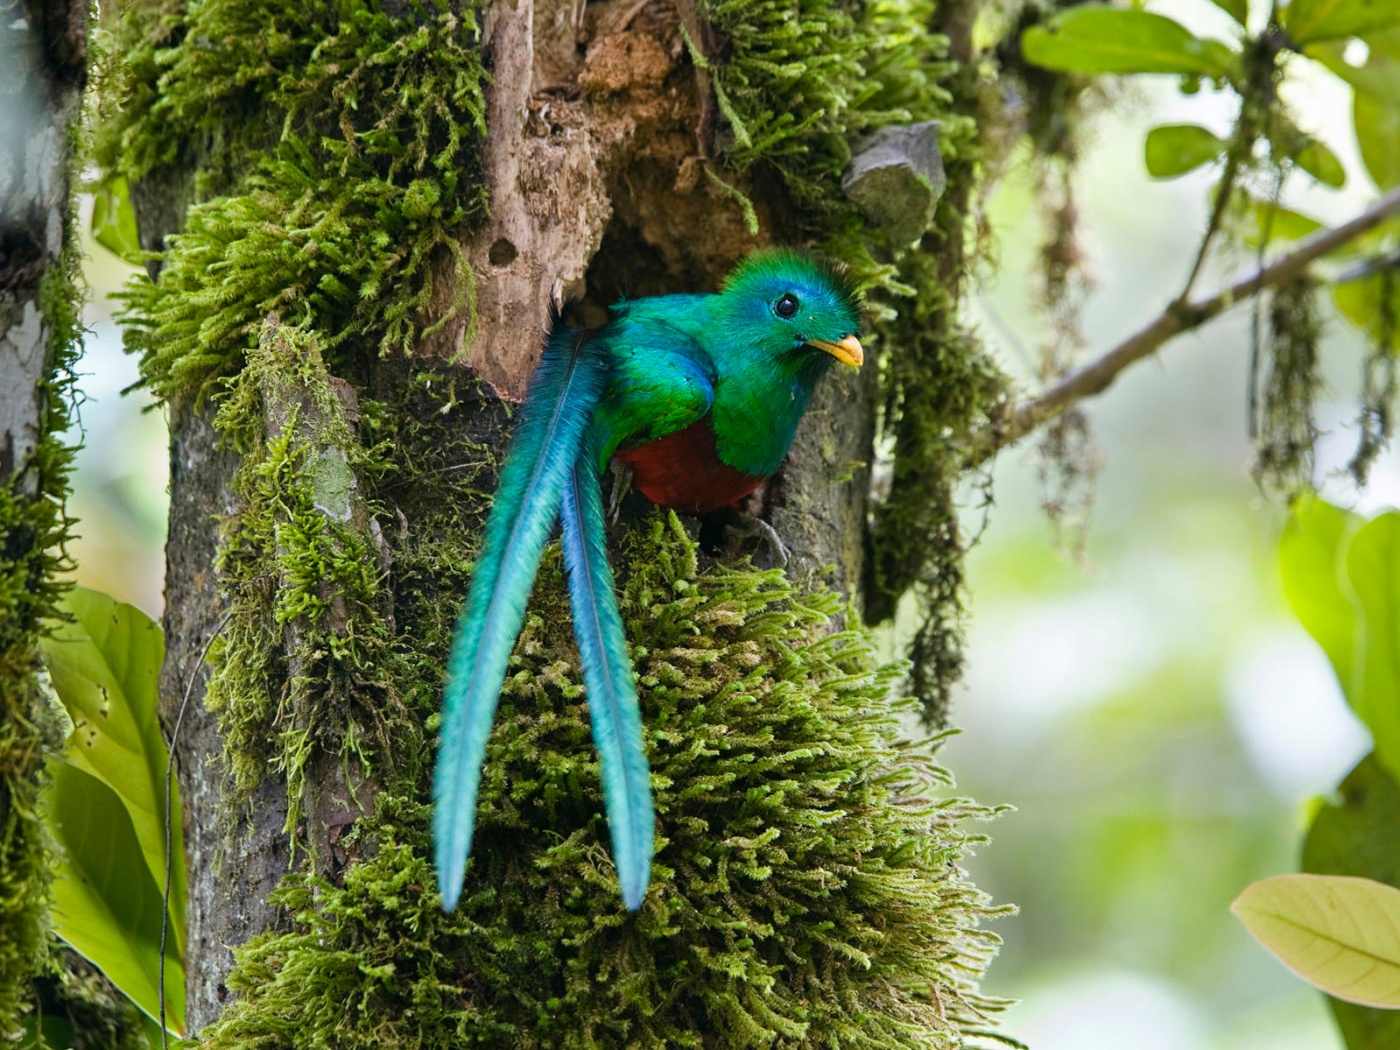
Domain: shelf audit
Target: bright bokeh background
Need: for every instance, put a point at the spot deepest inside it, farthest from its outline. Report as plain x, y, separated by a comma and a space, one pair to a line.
1151, 708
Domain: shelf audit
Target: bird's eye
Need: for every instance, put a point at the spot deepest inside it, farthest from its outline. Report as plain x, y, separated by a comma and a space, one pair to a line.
786, 306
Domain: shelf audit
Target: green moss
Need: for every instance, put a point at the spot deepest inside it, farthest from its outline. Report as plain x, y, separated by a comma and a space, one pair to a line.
806, 890
346, 151
307, 658
33, 529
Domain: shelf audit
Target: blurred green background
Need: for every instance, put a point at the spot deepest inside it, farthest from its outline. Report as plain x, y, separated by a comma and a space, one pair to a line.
1149, 705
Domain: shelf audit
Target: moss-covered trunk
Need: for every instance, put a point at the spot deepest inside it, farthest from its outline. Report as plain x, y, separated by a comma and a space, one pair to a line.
384, 204
42, 71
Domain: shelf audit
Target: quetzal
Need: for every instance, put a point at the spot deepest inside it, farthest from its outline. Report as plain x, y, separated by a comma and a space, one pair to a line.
700, 395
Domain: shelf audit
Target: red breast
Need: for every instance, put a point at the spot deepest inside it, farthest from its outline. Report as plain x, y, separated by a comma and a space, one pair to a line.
683, 471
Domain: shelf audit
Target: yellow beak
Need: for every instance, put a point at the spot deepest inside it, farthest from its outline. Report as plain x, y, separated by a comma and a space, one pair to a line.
848, 351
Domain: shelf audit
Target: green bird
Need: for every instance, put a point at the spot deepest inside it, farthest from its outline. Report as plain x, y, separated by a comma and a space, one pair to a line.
700, 397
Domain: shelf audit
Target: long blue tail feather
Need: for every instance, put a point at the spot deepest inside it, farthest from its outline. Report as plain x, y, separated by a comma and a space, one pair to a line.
557, 413
607, 676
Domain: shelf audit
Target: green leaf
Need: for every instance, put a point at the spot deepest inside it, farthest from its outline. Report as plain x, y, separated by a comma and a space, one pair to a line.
1342, 579
1338, 933
1360, 301
1355, 835
1093, 39
1175, 149
106, 906
1236, 9
1378, 134
1309, 21
1265, 219
104, 663
1321, 163
1312, 559
1373, 567
114, 220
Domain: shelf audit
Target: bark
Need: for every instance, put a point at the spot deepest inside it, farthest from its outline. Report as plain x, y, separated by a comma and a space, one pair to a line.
42, 57
592, 163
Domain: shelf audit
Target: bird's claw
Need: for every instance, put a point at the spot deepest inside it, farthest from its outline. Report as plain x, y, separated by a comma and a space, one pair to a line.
748, 526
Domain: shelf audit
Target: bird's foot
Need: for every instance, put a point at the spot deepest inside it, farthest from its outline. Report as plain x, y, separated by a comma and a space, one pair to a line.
622, 484
748, 526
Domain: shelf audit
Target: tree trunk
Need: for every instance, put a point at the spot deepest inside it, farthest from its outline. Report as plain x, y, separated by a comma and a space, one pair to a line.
330, 474
42, 72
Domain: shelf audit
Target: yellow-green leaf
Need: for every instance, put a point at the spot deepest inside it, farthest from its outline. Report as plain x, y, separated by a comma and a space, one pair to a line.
1095, 39
1338, 933
1309, 21
104, 663
1175, 149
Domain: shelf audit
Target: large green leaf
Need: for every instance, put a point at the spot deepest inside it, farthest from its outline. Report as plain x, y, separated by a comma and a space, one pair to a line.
1342, 578
1309, 21
104, 663
1375, 100
1094, 39
1373, 567
1175, 149
1312, 560
1339, 933
1355, 835
106, 905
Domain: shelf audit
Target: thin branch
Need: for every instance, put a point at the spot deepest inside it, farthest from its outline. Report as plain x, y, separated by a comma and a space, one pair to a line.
1098, 375
169, 823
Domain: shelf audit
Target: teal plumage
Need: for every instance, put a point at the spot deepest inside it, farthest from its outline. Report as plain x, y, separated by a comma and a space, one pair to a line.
607, 676
700, 395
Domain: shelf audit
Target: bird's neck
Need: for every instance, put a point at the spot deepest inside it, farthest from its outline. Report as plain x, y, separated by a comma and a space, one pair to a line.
759, 401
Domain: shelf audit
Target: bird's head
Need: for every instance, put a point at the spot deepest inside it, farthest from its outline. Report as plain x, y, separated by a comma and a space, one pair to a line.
791, 308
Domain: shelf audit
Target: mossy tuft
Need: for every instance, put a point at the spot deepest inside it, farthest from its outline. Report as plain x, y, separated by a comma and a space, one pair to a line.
806, 890
344, 152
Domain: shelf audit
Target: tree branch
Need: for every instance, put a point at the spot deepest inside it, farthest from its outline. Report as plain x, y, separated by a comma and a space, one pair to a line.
1098, 375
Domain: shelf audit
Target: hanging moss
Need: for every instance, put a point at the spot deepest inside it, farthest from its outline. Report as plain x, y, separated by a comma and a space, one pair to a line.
806, 891
1379, 385
1287, 428
34, 527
